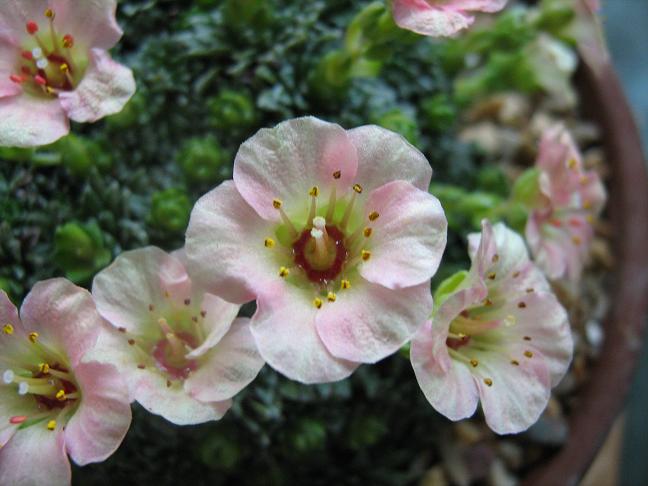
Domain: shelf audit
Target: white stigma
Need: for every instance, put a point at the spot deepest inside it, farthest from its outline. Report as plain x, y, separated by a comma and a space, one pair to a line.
42, 63
319, 223
37, 52
23, 388
8, 377
317, 233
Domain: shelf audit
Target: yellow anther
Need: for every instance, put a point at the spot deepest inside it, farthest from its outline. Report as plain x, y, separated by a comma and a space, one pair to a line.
331, 297
474, 363
492, 275
488, 382
589, 218
488, 302
495, 258
283, 272
51, 425
50, 90
269, 243
527, 338
528, 354
576, 240
521, 305
276, 203
357, 188
337, 174
60, 395
516, 274
8, 329
33, 337
49, 13
571, 163
44, 368
587, 204
64, 67
365, 254
515, 362
529, 290
345, 284
367, 232
314, 191
373, 215
317, 302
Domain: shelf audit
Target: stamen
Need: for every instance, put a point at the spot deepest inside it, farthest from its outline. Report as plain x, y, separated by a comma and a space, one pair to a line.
330, 212
277, 203
492, 276
314, 192
17, 79
187, 302
365, 254
488, 382
60, 395
522, 305
474, 363
44, 368
317, 302
331, 297
40, 80
33, 337
357, 189
337, 174
528, 354
495, 258
27, 55
269, 243
49, 13
8, 329
367, 232
283, 272
345, 284
576, 240
32, 27
51, 425
515, 362
17, 419
373, 215
68, 41
571, 163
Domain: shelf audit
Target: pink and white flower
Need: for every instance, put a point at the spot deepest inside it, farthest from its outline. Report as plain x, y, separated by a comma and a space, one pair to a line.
559, 228
54, 402
54, 66
440, 18
499, 335
335, 235
183, 352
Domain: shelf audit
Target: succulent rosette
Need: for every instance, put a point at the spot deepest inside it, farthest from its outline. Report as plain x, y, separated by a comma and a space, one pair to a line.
569, 198
440, 18
54, 66
333, 233
54, 402
498, 335
182, 351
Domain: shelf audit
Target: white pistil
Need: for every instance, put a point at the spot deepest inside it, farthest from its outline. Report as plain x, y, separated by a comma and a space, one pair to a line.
8, 377
37, 52
177, 346
42, 63
164, 325
321, 251
23, 388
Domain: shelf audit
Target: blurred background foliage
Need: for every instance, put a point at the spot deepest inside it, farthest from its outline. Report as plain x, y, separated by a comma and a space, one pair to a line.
210, 73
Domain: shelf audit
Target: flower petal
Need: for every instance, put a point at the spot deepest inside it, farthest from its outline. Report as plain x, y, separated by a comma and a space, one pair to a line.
136, 279
105, 89
172, 402
447, 384
369, 322
225, 233
228, 367
284, 330
479, 5
100, 423
423, 18
16, 13
408, 238
8, 60
385, 156
542, 324
35, 456
518, 393
286, 161
28, 121
219, 315
91, 22
62, 314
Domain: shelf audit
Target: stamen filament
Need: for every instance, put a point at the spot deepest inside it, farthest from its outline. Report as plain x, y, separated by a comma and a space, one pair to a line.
330, 212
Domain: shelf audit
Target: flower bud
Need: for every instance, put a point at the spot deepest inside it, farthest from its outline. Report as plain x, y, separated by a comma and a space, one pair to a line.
231, 110
79, 250
202, 160
170, 210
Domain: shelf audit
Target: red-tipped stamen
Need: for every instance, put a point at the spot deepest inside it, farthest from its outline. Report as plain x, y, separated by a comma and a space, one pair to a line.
18, 419
40, 80
68, 41
32, 27
17, 79
27, 55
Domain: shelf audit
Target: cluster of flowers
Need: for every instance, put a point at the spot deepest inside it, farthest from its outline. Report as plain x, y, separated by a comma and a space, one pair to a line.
332, 232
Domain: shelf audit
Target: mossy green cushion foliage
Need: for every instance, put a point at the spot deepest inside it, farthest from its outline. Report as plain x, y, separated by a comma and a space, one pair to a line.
211, 73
